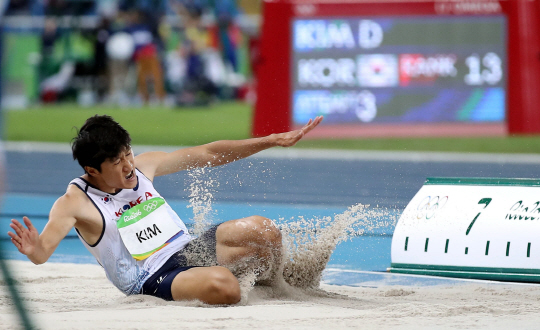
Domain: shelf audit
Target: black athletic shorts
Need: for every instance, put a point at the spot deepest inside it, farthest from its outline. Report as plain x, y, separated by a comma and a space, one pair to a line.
200, 252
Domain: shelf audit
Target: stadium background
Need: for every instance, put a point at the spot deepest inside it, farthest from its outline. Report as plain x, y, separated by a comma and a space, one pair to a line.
228, 113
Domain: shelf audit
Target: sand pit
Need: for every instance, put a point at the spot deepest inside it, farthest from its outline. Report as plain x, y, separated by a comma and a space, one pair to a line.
78, 296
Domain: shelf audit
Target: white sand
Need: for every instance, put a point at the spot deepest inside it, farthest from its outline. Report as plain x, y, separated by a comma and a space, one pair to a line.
78, 296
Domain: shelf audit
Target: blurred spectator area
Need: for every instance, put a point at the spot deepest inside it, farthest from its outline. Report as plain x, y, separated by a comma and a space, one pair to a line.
43, 38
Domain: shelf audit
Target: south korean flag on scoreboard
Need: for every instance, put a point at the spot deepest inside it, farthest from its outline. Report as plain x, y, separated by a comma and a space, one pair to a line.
378, 70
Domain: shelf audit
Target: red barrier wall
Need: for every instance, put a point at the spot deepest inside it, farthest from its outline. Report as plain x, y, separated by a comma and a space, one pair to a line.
523, 66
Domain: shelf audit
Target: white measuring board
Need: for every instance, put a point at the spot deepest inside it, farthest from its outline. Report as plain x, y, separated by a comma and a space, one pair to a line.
480, 228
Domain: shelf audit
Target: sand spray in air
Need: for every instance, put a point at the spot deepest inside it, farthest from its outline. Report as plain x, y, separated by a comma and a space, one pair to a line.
200, 199
307, 243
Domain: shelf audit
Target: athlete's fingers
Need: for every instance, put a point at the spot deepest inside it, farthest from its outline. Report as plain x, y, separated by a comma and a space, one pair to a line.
13, 236
16, 240
310, 125
16, 222
292, 137
306, 126
17, 244
28, 223
16, 228
20, 225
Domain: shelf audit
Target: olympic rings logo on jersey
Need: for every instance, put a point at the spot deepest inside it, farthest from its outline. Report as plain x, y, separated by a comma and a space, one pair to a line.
151, 206
429, 206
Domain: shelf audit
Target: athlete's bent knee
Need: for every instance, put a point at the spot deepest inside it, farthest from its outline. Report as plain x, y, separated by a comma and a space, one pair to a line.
224, 288
269, 231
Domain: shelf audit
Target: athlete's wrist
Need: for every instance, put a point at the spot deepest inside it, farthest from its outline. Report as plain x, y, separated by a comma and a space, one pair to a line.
270, 141
38, 255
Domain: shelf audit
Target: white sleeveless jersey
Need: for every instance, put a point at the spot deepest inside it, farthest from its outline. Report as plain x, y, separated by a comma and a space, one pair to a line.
126, 273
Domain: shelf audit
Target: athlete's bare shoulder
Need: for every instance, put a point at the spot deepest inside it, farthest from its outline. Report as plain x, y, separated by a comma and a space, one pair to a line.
76, 209
73, 195
73, 203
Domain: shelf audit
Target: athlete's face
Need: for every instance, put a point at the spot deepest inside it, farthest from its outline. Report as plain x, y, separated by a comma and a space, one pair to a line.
117, 173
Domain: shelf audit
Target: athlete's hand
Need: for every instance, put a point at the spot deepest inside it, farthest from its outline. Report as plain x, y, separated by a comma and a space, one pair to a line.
289, 139
26, 239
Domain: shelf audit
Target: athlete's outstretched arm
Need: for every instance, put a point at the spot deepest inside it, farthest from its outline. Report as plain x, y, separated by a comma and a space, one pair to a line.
217, 153
38, 248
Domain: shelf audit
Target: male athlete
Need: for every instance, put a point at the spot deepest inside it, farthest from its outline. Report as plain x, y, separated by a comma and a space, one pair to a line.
134, 234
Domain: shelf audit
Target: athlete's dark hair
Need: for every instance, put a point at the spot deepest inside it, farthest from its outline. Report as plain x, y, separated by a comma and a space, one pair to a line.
100, 138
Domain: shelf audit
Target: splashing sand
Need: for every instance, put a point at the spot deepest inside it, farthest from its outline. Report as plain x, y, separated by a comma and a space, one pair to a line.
307, 243
200, 199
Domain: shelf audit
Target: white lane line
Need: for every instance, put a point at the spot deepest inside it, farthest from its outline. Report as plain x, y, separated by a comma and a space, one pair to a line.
317, 154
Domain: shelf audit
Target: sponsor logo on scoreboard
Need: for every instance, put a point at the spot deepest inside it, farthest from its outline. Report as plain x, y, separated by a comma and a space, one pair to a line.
429, 206
524, 211
468, 7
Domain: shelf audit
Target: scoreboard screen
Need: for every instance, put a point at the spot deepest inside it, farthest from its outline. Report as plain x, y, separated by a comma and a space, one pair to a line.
399, 69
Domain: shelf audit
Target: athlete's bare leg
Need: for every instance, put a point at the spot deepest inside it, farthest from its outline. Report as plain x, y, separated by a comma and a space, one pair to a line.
212, 285
252, 243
